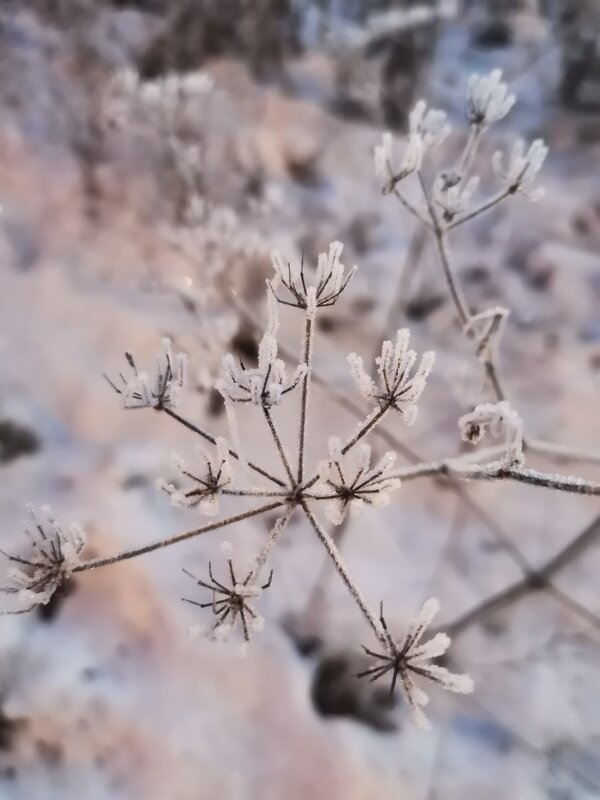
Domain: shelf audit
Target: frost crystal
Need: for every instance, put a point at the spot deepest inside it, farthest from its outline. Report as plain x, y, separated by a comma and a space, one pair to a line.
397, 387
522, 168
390, 174
162, 390
232, 604
452, 194
265, 384
328, 285
208, 482
44, 571
488, 99
409, 657
430, 126
352, 483
497, 419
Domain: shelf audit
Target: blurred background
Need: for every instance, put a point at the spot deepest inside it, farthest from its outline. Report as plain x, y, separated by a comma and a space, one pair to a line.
134, 206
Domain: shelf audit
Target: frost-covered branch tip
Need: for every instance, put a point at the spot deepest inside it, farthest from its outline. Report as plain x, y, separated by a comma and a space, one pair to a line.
41, 571
488, 99
498, 420
160, 390
522, 168
410, 658
328, 284
452, 194
214, 474
398, 386
351, 483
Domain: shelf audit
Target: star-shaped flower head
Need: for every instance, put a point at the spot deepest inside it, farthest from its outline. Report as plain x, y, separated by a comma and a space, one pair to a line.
161, 390
522, 168
214, 474
398, 387
234, 604
351, 482
323, 291
499, 420
53, 554
265, 384
488, 99
410, 657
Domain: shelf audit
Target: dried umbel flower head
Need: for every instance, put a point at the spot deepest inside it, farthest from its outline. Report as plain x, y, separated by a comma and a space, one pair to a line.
498, 420
214, 475
398, 387
410, 657
328, 285
488, 99
522, 168
234, 604
453, 194
266, 384
350, 482
391, 173
53, 554
430, 125
162, 389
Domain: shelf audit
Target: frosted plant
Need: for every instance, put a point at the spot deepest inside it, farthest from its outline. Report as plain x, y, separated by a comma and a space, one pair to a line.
328, 285
411, 658
351, 483
54, 551
264, 385
398, 387
208, 482
162, 389
488, 99
343, 479
522, 168
390, 173
430, 125
498, 420
233, 604
452, 194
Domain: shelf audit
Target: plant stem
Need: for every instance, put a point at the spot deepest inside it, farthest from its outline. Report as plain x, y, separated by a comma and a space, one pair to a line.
336, 557
180, 537
278, 528
282, 454
307, 353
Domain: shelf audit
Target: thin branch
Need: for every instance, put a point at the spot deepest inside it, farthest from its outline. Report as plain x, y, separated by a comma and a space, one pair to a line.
190, 426
278, 528
336, 558
561, 452
280, 448
180, 537
412, 210
481, 209
307, 353
534, 580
